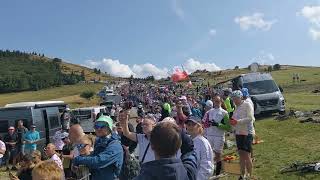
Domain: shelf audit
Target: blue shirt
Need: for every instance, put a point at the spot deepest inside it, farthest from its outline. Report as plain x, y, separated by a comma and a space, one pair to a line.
31, 136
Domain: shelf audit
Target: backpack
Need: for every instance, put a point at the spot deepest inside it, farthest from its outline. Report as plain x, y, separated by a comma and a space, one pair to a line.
130, 167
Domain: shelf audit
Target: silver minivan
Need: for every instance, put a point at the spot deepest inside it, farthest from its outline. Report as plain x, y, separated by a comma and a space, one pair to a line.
264, 92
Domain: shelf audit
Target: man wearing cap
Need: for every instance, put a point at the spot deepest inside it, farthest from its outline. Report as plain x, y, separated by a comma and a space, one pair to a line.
11, 140
202, 147
106, 160
242, 121
31, 138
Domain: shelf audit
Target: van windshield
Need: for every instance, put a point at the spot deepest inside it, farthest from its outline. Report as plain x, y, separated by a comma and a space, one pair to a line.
261, 87
82, 114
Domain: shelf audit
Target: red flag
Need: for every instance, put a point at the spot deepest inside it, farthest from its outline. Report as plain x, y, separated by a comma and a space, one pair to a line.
179, 76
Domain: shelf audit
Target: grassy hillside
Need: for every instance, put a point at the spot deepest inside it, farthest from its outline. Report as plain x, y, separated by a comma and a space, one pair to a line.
68, 93
89, 73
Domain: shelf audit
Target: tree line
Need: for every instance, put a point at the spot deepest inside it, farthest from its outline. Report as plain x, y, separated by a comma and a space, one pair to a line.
20, 71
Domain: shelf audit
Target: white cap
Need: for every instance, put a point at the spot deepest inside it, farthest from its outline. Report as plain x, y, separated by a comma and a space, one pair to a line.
183, 98
209, 103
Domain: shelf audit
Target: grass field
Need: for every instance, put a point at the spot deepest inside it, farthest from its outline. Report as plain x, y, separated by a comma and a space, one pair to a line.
69, 94
284, 142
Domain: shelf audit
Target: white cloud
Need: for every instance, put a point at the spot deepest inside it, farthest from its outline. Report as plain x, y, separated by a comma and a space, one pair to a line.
212, 32
177, 9
312, 13
115, 68
148, 69
264, 58
192, 65
315, 34
255, 21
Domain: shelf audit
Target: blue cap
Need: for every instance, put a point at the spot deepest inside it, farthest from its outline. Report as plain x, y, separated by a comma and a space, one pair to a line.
245, 92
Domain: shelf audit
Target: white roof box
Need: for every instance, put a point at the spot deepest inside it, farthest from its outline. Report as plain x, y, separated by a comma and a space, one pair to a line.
33, 104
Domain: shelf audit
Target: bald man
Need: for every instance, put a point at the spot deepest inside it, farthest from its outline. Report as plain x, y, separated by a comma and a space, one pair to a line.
76, 133
50, 151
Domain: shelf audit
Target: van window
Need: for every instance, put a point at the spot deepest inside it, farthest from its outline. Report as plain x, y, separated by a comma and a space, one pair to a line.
261, 87
54, 121
26, 123
82, 114
4, 126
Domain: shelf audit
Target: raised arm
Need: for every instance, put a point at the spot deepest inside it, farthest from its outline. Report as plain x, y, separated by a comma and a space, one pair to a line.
124, 119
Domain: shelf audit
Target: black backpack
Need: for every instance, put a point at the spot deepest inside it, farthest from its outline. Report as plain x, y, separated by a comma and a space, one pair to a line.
130, 167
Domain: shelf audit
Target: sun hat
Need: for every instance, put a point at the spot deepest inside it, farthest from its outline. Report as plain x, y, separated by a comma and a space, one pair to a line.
183, 98
237, 93
106, 119
209, 103
64, 135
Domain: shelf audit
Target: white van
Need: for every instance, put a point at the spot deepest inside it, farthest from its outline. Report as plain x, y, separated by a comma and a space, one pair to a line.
44, 114
263, 90
86, 116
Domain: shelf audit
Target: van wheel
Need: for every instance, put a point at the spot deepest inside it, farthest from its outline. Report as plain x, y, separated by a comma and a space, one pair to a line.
282, 112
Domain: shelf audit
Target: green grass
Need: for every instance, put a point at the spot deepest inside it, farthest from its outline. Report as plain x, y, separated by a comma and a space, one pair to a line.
285, 142
48, 94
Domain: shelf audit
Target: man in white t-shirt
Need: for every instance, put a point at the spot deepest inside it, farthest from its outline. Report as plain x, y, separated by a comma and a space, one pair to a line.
146, 153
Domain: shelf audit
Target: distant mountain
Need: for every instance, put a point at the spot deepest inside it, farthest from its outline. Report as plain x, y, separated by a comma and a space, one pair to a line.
21, 71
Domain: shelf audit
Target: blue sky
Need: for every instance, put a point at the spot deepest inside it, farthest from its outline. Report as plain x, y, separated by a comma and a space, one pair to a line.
151, 37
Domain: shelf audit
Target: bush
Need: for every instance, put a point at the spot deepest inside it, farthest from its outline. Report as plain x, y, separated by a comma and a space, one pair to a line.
87, 94
276, 67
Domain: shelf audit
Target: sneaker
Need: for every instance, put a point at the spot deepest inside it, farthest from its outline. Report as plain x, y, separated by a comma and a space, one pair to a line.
14, 168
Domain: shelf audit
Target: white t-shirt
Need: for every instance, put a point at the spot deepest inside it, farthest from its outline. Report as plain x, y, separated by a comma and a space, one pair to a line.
205, 157
244, 114
217, 115
143, 144
2, 147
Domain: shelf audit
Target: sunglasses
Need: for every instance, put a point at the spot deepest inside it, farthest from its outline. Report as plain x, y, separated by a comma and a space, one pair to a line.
100, 125
81, 146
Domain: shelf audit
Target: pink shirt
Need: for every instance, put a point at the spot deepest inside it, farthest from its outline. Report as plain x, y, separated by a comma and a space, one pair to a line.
57, 160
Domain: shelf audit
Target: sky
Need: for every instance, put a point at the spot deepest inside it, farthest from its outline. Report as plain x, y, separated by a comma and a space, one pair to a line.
154, 37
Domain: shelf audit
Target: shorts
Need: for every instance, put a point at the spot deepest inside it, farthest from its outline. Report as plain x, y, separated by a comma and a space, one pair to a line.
244, 142
217, 143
